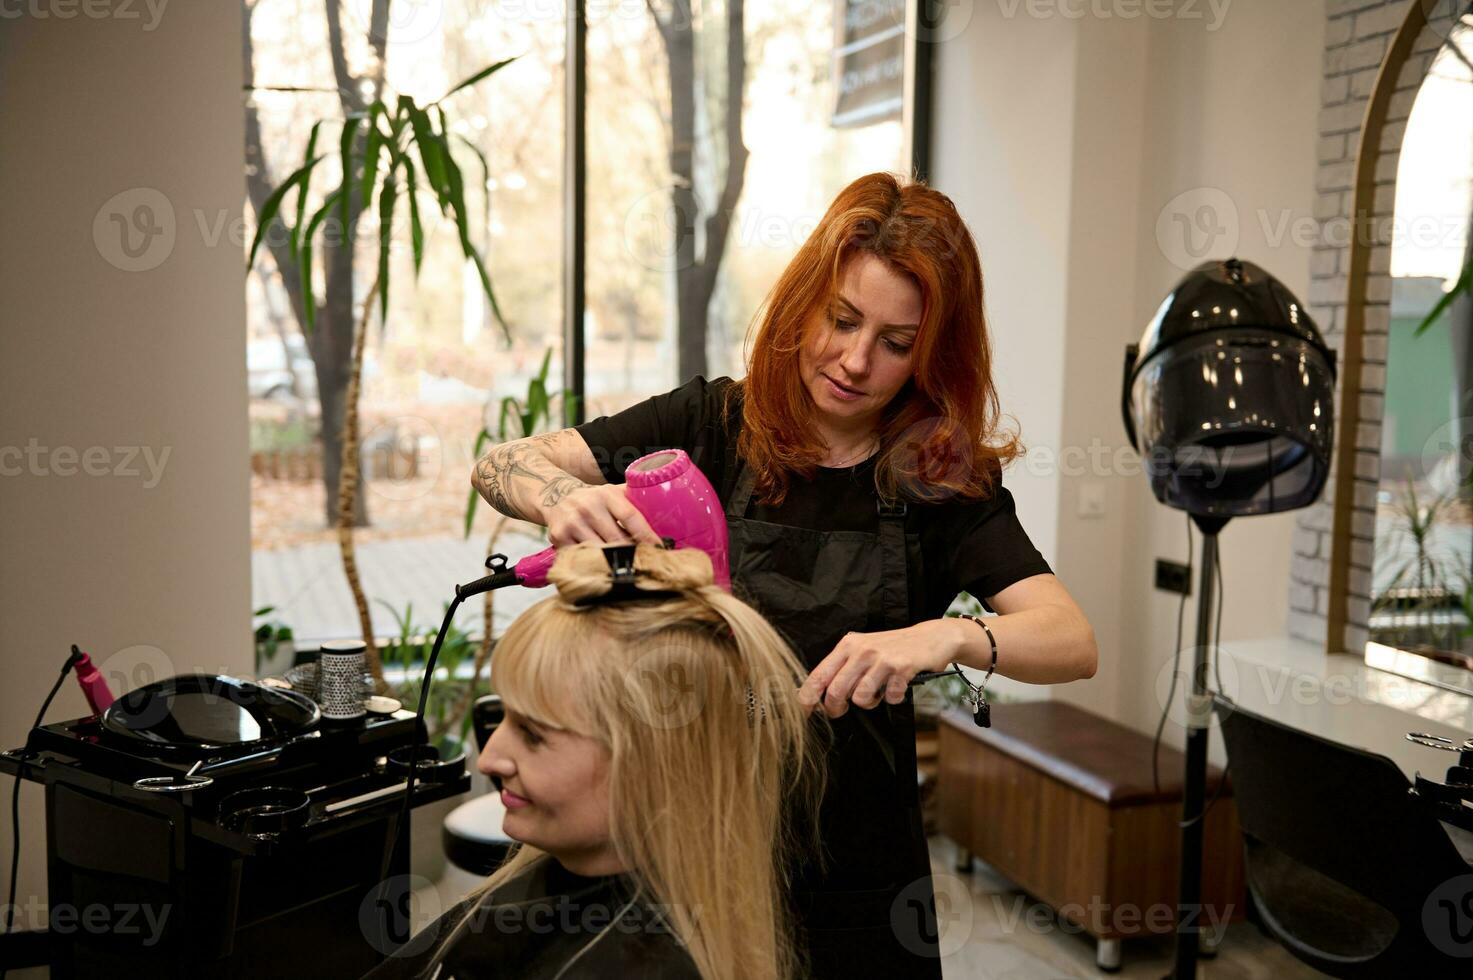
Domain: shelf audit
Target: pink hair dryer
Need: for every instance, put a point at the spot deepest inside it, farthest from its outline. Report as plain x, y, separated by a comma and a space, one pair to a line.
678, 501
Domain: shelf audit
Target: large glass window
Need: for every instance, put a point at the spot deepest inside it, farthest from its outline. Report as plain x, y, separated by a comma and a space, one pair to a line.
666, 300
815, 90
1422, 579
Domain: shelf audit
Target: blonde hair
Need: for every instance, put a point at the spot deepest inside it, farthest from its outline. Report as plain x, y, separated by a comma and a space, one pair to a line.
712, 795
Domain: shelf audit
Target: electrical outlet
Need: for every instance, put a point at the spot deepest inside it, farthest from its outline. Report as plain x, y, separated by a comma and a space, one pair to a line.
1092, 499
1173, 576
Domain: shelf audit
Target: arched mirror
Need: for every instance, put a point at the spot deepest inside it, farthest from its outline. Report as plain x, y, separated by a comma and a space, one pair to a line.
1421, 601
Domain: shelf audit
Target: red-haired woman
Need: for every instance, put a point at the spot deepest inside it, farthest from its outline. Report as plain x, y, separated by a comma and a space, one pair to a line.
860, 464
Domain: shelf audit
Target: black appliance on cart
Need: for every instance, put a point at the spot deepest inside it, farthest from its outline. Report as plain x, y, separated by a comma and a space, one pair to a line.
237, 832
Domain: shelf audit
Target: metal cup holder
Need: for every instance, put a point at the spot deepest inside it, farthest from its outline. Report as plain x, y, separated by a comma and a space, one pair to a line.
428, 766
1452, 799
264, 811
175, 784
1438, 742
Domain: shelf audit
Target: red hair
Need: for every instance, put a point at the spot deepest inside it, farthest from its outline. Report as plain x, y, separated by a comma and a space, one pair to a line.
939, 435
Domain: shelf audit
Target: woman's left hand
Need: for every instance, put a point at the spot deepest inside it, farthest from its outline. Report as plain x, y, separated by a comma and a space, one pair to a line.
866, 667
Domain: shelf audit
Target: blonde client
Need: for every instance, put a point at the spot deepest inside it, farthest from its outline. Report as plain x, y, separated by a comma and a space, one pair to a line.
660, 776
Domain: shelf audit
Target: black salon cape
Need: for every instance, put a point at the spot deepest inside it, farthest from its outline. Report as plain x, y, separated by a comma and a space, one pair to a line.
967, 545
536, 926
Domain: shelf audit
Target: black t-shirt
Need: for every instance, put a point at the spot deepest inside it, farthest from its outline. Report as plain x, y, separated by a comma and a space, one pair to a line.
977, 546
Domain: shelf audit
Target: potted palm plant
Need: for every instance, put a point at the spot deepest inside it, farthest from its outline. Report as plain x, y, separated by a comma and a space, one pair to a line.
387, 156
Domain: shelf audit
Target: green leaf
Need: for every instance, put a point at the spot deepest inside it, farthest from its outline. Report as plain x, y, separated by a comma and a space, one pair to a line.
273, 204
483, 73
431, 149
416, 230
485, 165
462, 226
345, 189
371, 148
539, 406
485, 278
385, 232
1465, 281
304, 260
508, 406
264, 610
303, 187
309, 296
536, 403
570, 409
470, 506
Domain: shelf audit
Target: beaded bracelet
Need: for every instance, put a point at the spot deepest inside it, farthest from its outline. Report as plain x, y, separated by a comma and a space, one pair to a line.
992, 639
976, 694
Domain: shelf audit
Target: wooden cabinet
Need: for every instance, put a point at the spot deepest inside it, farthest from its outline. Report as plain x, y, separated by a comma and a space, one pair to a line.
1062, 802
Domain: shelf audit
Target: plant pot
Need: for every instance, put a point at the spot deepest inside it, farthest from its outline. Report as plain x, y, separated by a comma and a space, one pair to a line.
274, 663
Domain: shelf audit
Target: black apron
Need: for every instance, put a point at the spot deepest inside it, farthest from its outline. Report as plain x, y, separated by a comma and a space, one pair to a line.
870, 911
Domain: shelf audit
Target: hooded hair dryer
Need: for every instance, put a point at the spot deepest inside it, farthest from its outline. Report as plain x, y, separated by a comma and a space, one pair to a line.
672, 494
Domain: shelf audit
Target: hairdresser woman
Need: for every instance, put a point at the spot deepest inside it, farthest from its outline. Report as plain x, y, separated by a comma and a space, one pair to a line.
859, 463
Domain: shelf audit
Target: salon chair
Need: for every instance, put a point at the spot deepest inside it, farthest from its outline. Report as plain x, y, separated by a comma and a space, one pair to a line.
1342, 862
472, 835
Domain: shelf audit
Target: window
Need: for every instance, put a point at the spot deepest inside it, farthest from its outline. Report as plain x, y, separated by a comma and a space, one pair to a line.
1423, 566
438, 367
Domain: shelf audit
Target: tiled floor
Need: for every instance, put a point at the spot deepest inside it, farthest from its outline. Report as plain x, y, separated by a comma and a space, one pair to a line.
1008, 936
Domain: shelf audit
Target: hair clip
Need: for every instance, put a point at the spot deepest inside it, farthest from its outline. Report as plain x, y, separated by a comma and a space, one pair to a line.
623, 589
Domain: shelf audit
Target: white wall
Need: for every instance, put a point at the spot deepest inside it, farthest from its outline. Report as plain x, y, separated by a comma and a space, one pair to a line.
1233, 112
1002, 145
148, 571
1062, 139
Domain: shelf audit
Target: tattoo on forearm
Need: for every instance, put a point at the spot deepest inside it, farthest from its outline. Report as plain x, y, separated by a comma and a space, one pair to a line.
496, 470
559, 488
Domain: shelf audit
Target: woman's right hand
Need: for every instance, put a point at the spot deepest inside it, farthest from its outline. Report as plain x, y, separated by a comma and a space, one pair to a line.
601, 514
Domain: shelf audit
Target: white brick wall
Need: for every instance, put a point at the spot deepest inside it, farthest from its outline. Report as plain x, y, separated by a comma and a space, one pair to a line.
1357, 37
